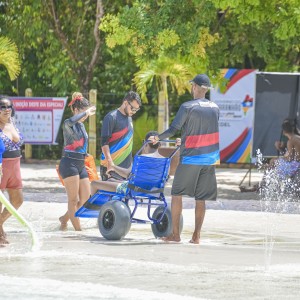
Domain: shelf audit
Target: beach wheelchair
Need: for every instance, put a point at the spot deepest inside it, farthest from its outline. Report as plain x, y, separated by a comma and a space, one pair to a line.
146, 182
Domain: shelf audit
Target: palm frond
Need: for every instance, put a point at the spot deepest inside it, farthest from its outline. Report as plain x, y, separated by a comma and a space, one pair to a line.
179, 76
143, 79
178, 72
9, 57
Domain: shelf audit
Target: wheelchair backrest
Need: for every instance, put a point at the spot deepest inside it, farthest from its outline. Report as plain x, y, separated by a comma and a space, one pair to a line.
149, 173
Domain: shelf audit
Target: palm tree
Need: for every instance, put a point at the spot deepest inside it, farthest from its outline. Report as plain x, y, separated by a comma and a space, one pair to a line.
164, 70
9, 57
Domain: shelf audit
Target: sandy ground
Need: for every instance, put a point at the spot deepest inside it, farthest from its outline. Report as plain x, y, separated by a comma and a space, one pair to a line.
245, 253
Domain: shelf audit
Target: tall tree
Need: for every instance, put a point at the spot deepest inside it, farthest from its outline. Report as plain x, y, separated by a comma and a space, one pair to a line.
211, 34
74, 44
166, 55
61, 38
206, 35
259, 34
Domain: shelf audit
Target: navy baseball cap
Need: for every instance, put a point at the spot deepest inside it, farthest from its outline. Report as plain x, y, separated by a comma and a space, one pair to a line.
201, 79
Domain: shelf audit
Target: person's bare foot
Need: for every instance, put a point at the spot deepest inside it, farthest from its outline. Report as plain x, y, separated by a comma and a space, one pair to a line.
63, 224
2, 232
171, 238
3, 241
197, 242
195, 239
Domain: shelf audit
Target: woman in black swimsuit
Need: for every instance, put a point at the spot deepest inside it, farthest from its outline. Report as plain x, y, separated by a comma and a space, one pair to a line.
71, 167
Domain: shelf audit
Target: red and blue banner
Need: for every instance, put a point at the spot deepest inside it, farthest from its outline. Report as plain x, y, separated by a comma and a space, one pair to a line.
236, 103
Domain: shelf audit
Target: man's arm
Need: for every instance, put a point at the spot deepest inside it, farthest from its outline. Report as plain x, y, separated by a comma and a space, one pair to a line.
168, 133
280, 147
106, 152
106, 133
176, 125
121, 171
289, 154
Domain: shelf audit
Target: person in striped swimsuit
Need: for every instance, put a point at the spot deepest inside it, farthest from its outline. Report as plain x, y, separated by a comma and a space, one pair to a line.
117, 135
11, 180
199, 153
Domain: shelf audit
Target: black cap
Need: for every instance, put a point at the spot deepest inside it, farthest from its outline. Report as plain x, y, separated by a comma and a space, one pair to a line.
201, 79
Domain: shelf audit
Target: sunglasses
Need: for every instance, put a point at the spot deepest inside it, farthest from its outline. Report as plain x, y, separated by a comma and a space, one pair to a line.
4, 107
133, 109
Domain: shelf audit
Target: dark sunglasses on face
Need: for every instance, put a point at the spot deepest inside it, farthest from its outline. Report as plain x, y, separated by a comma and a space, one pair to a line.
4, 107
133, 109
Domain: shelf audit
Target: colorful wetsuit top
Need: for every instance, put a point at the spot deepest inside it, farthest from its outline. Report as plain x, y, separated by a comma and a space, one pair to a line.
117, 133
11, 145
75, 135
198, 122
286, 168
2, 149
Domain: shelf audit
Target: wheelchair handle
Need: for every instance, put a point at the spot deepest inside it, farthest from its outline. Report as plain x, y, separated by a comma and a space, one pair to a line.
164, 141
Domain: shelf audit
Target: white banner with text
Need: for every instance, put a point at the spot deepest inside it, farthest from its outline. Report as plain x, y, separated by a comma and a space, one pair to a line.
39, 118
236, 103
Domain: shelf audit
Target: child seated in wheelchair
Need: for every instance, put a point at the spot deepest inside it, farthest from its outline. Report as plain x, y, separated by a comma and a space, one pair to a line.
115, 202
119, 185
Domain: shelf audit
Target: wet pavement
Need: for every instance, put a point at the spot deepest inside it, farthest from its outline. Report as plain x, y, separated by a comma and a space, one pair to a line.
244, 253
41, 184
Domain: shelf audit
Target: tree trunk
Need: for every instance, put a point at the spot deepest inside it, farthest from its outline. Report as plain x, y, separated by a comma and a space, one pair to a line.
96, 50
163, 107
83, 76
161, 111
166, 118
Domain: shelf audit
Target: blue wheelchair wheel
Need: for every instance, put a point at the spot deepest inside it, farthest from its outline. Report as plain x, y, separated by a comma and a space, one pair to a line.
114, 220
164, 227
